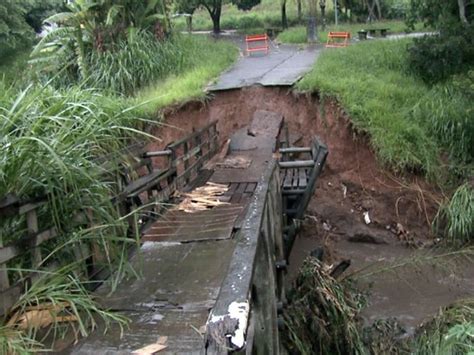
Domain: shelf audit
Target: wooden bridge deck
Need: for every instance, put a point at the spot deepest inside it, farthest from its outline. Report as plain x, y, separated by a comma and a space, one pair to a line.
185, 257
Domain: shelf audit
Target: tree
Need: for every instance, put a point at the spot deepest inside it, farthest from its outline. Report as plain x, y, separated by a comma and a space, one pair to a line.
91, 25
14, 30
39, 10
441, 13
246, 4
214, 8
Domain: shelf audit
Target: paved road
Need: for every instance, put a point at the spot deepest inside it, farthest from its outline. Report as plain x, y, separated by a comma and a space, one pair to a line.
284, 65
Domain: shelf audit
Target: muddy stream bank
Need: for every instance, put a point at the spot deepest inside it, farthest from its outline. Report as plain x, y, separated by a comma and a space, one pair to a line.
360, 211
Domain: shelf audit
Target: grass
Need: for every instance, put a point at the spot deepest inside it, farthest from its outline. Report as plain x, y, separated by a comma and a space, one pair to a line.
210, 58
450, 332
373, 83
456, 216
12, 68
297, 35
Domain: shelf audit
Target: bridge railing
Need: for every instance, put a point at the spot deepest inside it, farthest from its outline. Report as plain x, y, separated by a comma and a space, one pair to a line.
246, 312
22, 257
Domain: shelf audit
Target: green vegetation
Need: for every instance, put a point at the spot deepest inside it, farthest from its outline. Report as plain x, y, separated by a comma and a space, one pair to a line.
209, 58
321, 317
14, 65
145, 61
450, 332
297, 35
397, 110
456, 217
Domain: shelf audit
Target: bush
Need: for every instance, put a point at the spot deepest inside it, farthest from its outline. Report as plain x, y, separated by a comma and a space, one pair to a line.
457, 216
435, 58
138, 61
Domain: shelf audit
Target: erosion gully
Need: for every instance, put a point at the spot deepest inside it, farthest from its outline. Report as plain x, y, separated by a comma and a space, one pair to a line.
360, 211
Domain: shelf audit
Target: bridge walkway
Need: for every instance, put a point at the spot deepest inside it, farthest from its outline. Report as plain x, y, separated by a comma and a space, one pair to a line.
185, 256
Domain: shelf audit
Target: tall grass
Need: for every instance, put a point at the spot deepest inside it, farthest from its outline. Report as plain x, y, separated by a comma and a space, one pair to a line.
50, 140
401, 114
370, 81
450, 332
456, 217
141, 60
208, 58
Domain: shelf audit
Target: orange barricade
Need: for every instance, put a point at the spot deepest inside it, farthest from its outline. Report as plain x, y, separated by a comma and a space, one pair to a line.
333, 38
252, 39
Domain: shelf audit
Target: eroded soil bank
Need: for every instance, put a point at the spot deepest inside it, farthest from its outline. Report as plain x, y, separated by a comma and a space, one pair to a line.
360, 211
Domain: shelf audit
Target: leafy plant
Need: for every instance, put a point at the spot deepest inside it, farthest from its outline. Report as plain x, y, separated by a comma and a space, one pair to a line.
450, 332
456, 218
140, 60
435, 58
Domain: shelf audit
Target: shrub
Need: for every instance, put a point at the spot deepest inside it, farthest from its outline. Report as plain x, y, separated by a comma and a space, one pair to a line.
138, 61
435, 58
456, 217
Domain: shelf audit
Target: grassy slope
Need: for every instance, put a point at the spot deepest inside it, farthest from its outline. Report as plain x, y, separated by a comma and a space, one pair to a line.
210, 59
399, 112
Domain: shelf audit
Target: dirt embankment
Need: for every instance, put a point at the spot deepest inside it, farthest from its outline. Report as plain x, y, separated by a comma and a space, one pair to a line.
352, 184
360, 211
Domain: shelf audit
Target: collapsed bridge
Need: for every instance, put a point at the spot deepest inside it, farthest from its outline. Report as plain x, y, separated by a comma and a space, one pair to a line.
213, 263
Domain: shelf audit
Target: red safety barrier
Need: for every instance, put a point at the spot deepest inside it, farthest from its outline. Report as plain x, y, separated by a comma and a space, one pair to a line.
334, 36
252, 39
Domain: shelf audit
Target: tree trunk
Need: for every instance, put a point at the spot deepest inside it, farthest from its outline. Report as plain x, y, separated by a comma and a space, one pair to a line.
284, 20
312, 29
215, 13
379, 9
300, 11
323, 17
370, 8
462, 11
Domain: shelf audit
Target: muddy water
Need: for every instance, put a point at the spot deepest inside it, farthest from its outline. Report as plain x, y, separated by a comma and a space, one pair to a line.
412, 293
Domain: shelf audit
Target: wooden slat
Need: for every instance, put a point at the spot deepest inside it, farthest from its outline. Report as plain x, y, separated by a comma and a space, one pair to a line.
296, 164
302, 180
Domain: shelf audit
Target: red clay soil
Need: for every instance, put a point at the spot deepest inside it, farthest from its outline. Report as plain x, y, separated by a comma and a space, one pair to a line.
400, 209
351, 164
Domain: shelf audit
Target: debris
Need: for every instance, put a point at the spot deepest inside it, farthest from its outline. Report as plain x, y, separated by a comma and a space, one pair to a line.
239, 162
326, 226
218, 157
340, 268
41, 316
152, 348
203, 197
366, 217
344, 190
311, 218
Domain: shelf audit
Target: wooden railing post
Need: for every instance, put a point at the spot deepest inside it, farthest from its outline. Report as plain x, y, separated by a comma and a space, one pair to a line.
32, 225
